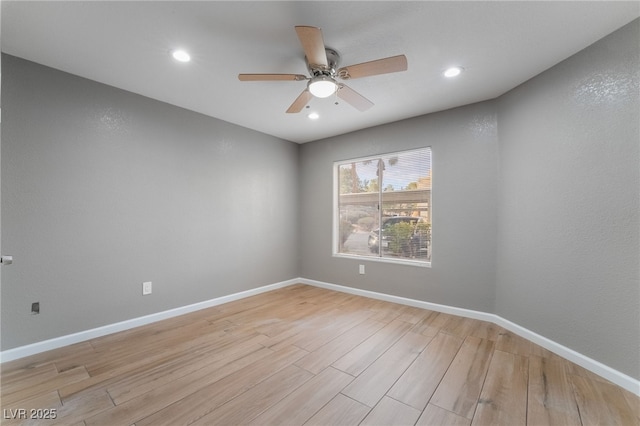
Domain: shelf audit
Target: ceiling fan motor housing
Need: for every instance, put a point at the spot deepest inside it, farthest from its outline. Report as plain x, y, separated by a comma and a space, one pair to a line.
333, 57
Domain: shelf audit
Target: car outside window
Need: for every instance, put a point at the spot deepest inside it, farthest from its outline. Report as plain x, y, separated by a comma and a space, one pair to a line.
383, 207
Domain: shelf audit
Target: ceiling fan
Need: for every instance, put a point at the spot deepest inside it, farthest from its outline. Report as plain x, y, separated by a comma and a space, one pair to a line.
322, 64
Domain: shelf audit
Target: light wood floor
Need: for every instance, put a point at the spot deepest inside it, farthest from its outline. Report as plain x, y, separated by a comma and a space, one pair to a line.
304, 355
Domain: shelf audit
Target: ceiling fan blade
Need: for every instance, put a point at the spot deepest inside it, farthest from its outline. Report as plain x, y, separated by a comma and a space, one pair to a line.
271, 77
354, 98
300, 102
313, 45
380, 66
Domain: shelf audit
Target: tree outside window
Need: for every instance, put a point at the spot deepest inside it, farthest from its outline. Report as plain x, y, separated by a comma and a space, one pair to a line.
384, 206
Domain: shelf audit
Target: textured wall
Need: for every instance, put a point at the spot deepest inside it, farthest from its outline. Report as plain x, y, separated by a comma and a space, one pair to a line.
464, 148
104, 189
541, 227
536, 205
568, 246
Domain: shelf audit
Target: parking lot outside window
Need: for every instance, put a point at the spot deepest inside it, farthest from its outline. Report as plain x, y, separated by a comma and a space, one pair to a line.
383, 207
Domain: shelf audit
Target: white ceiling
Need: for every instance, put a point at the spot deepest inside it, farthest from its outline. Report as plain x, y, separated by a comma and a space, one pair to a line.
127, 45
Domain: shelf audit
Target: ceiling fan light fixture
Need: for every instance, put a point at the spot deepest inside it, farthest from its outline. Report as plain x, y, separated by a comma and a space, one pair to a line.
322, 86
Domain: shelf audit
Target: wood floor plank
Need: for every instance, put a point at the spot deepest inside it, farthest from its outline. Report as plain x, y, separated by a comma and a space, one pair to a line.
426, 324
210, 395
324, 356
128, 359
601, 403
140, 383
341, 323
550, 395
250, 404
634, 403
386, 311
358, 303
503, 400
487, 330
314, 319
459, 326
300, 406
512, 343
282, 322
46, 401
163, 345
461, 385
370, 386
145, 364
33, 361
26, 378
266, 312
413, 315
439, 319
539, 351
341, 410
303, 354
391, 412
320, 320
53, 383
436, 416
78, 408
358, 359
162, 397
421, 379
113, 343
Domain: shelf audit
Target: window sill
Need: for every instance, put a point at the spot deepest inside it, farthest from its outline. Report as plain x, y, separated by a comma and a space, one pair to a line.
410, 262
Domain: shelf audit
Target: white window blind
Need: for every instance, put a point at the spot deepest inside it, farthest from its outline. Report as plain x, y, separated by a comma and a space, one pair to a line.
384, 207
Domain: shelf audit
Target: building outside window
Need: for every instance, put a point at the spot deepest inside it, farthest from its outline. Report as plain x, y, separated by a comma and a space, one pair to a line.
383, 207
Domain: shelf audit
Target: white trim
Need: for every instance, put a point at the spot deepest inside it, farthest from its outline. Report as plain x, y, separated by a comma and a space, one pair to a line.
335, 227
69, 339
397, 261
403, 300
596, 367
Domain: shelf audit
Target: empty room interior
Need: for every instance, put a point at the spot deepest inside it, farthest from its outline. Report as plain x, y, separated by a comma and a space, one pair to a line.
317, 212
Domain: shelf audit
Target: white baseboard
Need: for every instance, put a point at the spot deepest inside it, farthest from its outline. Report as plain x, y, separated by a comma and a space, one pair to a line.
602, 370
620, 379
58, 342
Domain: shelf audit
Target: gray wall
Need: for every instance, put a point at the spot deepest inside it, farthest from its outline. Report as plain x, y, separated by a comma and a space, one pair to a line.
464, 148
535, 205
568, 255
103, 189
536, 210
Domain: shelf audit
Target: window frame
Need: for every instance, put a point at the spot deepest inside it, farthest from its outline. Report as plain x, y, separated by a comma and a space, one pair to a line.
335, 240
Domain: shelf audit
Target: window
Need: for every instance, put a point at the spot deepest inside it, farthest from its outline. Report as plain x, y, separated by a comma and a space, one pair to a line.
383, 207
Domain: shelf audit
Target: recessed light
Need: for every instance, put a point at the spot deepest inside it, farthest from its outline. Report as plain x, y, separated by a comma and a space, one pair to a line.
453, 72
181, 56
313, 116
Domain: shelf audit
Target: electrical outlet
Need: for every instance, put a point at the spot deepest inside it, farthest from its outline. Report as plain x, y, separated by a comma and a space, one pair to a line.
35, 308
146, 288
361, 270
